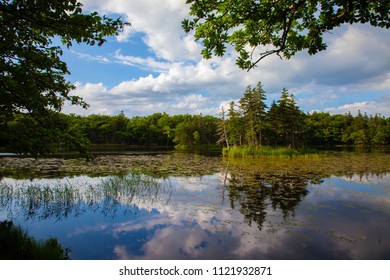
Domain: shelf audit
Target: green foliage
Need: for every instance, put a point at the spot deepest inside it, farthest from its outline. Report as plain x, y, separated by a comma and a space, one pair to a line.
267, 151
283, 125
289, 26
44, 135
62, 132
15, 244
32, 74
330, 130
286, 121
195, 130
233, 131
250, 126
254, 113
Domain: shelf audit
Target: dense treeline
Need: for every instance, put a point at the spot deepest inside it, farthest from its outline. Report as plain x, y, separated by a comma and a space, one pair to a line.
77, 132
157, 129
252, 123
248, 123
330, 130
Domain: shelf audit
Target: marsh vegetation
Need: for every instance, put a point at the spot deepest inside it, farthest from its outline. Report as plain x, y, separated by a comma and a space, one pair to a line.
16, 244
191, 206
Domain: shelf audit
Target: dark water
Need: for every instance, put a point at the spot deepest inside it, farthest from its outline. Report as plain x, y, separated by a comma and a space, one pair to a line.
273, 210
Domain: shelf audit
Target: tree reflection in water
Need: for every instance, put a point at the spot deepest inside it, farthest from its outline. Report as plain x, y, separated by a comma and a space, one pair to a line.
41, 201
257, 185
255, 200
282, 209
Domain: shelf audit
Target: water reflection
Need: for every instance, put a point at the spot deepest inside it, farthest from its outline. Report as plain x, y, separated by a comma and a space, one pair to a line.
326, 225
72, 197
267, 210
254, 201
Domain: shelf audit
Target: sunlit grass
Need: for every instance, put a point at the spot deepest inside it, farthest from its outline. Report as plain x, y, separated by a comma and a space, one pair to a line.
267, 151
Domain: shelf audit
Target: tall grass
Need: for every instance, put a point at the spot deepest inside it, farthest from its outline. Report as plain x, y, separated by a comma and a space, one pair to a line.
16, 244
267, 151
62, 199
130, 186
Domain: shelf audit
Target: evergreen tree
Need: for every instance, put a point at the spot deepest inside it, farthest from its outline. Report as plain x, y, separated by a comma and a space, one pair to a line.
287, 121
254, 114
235, 125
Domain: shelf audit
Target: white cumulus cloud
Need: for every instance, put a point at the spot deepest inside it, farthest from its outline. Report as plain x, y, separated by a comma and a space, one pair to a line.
179, 80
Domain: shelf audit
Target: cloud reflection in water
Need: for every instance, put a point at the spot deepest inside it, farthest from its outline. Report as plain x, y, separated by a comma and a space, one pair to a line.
203, 218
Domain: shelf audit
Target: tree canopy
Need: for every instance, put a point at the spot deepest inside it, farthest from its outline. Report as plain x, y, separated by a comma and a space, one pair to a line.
281, 27
282, 124
32, 74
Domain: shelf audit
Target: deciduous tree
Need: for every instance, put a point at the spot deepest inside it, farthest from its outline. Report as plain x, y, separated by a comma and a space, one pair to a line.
258, 29
32, 74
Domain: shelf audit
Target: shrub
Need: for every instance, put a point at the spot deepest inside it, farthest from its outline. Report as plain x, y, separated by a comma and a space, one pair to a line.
15, 244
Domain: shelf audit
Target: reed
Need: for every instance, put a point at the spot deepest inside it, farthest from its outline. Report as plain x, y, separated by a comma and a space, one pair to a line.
130, 186
63, 199
16, 244
268, 151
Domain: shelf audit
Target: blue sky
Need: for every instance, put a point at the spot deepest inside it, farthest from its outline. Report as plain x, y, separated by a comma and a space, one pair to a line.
153, 66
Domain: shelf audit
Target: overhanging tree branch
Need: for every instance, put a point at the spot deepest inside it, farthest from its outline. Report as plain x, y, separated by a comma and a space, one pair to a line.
290, 26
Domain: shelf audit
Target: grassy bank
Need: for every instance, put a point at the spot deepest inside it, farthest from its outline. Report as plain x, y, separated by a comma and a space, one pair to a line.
267, 151
15, 244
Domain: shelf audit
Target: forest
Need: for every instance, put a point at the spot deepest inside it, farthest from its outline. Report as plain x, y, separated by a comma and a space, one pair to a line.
252, 123
248, 122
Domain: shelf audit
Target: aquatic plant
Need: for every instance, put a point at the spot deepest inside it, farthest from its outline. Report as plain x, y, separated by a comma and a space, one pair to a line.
16, 244
267, 151
62, 198
130, 186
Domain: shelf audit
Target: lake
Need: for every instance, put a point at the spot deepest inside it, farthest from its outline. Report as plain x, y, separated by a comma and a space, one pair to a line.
190, 206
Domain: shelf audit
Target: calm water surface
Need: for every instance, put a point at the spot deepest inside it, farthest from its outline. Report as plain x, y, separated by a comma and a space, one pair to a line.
274, 210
